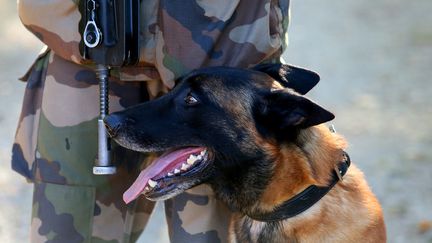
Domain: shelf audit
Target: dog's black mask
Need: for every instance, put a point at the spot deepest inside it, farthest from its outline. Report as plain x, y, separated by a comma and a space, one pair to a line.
212, 125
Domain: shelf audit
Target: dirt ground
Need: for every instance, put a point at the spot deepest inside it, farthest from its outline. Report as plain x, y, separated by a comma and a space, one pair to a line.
375, 60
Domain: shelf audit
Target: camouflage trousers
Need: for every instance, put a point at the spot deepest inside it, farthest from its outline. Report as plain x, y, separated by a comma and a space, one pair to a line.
70, 204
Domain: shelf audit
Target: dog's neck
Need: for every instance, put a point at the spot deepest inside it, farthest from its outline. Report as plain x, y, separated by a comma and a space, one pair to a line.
309, 161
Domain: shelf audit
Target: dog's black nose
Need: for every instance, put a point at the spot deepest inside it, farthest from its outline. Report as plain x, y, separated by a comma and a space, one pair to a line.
113, 123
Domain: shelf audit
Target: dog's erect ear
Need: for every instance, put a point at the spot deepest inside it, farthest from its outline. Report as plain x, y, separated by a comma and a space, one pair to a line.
283, 110
299, 79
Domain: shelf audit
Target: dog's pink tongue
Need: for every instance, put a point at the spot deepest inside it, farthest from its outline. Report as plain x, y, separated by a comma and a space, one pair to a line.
165, 163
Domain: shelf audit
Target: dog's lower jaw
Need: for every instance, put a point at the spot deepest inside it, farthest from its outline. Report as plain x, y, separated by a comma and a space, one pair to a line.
242, 193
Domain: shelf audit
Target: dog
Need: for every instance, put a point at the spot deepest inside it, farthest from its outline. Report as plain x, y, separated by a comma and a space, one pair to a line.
253, 136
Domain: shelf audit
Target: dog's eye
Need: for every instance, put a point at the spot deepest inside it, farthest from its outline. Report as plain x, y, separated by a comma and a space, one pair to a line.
190, 100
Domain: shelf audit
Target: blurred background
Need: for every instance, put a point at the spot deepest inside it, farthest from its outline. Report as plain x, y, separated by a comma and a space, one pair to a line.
375, 61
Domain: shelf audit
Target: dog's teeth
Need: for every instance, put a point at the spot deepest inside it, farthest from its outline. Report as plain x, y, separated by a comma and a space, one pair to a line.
199, 157
176, 171
203, 152
151, 183
146, 188
190, 161
170, 174
184, 166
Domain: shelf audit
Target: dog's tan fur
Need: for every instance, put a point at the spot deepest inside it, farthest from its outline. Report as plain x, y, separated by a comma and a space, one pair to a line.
348, 213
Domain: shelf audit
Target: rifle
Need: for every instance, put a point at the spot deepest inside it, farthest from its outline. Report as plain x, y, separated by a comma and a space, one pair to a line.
110, 38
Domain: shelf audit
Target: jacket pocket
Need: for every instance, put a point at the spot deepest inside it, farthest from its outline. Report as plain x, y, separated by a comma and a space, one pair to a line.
62, 213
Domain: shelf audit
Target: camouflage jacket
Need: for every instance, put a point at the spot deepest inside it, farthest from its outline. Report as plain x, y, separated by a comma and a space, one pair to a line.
176, 36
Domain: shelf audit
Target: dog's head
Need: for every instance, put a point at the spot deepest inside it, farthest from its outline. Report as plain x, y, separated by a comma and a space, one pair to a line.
213, 128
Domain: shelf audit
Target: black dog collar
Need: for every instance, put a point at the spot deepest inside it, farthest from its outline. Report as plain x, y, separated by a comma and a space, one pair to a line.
305, 199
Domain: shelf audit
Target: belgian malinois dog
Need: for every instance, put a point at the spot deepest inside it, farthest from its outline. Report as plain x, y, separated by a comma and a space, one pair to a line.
262, 146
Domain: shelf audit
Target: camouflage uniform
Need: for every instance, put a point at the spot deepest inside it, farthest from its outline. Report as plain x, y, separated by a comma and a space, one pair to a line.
56, 139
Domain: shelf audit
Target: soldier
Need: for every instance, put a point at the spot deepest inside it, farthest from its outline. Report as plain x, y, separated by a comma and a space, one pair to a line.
56, 139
